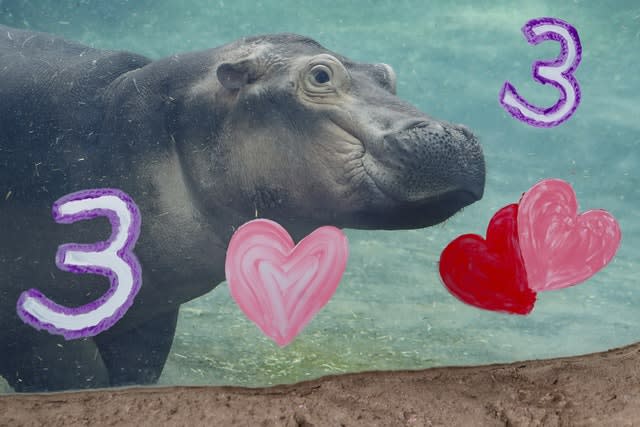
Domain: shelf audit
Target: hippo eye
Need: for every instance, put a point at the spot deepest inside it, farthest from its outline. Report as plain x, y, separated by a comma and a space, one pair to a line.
321, 74
323, 79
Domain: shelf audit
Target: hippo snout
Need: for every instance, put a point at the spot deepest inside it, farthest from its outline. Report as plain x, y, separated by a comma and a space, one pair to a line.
433, 168
439, 158
471, 177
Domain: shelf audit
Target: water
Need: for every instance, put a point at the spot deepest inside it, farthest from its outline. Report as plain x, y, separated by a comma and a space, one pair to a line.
391, 310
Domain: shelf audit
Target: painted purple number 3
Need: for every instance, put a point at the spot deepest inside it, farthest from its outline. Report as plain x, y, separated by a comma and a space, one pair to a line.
558, 73
112, 258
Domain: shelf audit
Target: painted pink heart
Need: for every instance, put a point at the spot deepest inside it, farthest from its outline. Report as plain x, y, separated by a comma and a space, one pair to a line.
561, 248
278, 285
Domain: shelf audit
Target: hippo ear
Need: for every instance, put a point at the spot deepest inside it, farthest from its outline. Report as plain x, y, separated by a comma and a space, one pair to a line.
234, 75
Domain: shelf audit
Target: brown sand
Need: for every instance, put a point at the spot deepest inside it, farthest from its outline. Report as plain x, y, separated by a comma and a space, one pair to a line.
601, 389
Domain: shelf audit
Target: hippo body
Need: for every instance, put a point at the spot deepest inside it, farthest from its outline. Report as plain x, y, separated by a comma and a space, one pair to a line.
272, 126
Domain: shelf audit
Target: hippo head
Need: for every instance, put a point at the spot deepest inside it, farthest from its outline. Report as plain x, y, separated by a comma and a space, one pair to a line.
307, 137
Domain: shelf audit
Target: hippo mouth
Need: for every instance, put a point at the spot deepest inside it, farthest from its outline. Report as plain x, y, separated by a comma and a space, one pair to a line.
412, 215
423, 175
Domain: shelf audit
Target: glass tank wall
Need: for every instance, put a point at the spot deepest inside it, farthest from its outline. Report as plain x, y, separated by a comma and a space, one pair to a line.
391, 309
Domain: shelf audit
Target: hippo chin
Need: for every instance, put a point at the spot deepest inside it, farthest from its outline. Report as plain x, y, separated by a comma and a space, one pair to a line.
273, 126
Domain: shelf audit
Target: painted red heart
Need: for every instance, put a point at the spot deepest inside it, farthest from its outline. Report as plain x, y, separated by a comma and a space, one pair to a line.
561, 248
279, 286
489, 274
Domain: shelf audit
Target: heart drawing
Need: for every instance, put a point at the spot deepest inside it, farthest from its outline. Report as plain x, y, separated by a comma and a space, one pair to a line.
492, 275
278, 285
541, 244
560, 247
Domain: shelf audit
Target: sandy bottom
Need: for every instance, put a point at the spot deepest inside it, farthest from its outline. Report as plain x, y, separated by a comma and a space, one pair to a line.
600, 389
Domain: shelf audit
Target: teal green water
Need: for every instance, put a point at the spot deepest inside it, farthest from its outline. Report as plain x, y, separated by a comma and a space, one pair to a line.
391, 310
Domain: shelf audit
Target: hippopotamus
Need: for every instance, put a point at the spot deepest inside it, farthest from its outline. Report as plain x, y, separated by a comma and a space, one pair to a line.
271, 126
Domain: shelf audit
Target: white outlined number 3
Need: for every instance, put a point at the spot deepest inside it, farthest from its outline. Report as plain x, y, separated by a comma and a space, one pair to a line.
112, 258
558, 72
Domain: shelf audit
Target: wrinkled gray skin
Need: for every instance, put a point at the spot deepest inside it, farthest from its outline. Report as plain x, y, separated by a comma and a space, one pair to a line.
273, 126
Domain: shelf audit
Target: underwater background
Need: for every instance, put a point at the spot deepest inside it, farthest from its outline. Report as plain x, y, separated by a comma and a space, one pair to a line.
391, 310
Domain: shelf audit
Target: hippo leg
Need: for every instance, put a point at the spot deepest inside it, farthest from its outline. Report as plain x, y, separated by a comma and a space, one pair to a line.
48, 363
137, 356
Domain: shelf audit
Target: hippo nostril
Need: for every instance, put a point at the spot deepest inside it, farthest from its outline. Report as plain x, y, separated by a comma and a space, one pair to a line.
465, 131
